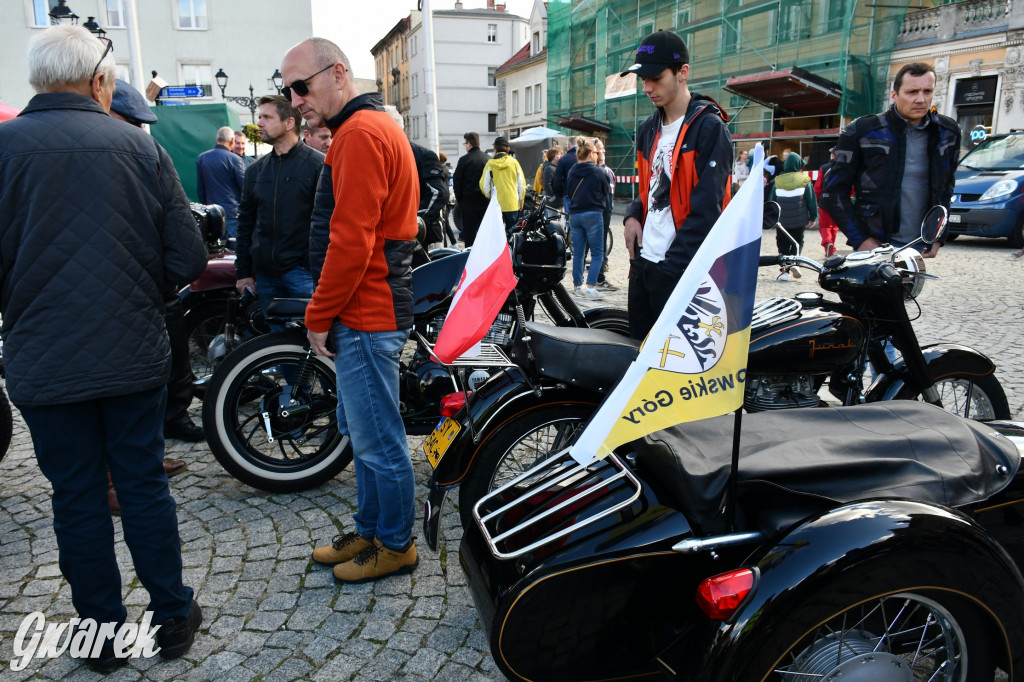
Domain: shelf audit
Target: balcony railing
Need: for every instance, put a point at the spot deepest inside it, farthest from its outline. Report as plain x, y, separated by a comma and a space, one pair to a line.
954, 20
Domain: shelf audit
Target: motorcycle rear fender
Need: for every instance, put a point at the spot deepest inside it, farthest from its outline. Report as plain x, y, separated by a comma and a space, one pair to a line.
501, 398
824, 552
219, 274
971, 360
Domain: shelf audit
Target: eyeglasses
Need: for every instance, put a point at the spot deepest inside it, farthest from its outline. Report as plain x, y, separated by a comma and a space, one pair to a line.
110, 48
300, 86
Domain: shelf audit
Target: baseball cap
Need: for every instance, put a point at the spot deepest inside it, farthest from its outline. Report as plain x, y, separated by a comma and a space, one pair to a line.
130, 103
657, 52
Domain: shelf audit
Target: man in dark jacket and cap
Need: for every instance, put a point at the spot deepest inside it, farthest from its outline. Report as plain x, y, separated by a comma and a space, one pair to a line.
93, 225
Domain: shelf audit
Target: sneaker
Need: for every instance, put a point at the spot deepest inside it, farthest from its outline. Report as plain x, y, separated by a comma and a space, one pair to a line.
342, 548
606, 285
784, 277
176, 635
795, 272
579, 292
377, 561
592, 294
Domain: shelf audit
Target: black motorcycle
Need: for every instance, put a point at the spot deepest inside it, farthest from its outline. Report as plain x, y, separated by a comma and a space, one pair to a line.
270, 411
876, 542
798, 347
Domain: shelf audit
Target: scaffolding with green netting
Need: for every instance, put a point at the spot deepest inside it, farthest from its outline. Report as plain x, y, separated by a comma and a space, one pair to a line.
829, 57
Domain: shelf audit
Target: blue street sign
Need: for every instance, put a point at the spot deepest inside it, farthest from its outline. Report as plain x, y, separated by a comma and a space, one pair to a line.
183, 91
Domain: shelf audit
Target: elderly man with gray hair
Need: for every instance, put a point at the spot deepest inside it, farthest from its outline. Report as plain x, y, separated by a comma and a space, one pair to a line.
93, 224
220, 175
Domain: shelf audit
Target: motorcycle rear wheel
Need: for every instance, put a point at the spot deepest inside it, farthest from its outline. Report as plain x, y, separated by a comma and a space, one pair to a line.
612, 319
987, 398
521, 442
308, 449
917, 634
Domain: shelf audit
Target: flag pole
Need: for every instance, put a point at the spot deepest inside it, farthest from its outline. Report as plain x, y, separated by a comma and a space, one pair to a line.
732, 511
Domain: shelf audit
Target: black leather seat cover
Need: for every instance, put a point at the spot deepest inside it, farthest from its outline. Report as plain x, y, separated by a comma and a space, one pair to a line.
797, 462
287, 308
594, 359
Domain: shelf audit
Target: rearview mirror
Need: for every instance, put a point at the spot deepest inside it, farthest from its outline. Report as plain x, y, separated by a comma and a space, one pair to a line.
933, 227
772, 211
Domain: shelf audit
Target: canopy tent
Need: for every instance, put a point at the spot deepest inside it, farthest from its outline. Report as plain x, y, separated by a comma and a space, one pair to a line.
529, 148
7, 112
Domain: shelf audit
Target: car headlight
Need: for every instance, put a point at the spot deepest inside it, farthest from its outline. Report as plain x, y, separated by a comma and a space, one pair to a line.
1001, 189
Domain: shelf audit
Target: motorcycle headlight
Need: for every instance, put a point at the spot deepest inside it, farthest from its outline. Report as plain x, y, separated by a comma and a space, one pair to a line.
1000, 190
910, 263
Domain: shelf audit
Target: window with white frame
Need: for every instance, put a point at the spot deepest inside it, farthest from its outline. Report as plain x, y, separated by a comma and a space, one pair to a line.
529, 100
492, 78
115, 13
515, 102
538, 102
415, 44
535, 44
192, 15
415, 84
492, 33
197, 74
41, 11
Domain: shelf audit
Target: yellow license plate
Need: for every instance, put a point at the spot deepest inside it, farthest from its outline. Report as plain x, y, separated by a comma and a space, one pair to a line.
439, 440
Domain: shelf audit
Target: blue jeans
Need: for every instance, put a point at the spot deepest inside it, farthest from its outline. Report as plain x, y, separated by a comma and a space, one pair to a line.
367, 366
75, 444
231, 227
587, 229
297, 283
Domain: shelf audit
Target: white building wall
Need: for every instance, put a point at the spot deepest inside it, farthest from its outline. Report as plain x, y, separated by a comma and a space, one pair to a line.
462, 58
239, 38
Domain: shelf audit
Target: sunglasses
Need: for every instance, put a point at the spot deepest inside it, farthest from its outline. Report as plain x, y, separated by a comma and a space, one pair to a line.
110, 48
300, 86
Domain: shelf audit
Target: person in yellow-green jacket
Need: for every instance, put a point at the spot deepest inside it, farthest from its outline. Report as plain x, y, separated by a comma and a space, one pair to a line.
504, 175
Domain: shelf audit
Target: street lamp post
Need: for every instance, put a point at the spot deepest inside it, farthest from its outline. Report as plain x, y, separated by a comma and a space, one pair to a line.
61, 13
247, 102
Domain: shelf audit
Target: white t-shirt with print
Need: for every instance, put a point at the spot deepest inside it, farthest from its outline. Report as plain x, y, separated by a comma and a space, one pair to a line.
660, 227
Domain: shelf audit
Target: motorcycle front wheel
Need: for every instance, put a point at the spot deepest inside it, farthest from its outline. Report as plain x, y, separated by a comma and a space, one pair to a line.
969, 395
917, 634
241, 402
520, 443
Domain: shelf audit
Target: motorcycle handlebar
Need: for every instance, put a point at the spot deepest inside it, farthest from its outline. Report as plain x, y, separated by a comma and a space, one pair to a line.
802, 261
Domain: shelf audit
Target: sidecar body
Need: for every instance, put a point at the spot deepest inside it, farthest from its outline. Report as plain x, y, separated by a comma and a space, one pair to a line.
880, 540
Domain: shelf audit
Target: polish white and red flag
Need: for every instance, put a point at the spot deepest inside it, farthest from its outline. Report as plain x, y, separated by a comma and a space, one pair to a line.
486, 283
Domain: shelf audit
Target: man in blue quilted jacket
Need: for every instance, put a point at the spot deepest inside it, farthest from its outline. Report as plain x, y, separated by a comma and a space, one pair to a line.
93, 225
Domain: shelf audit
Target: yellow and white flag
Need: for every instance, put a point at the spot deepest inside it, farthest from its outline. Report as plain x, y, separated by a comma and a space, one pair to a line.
692, 364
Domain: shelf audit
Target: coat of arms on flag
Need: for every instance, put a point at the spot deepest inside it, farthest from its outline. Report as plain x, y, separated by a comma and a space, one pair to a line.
693, 363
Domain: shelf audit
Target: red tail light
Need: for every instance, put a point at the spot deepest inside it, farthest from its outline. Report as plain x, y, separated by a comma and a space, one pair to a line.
719, 596
452, 403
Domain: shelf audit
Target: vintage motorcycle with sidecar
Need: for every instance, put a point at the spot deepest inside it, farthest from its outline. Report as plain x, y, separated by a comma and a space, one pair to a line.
800, 348
879, 542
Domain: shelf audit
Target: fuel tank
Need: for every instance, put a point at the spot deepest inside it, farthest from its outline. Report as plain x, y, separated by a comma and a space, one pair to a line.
821, 337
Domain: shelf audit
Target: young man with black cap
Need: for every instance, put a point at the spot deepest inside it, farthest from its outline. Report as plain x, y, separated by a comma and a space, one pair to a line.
503, 175
684, 158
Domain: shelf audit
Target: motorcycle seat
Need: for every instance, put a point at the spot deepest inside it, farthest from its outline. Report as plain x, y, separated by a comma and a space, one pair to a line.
287, 308
594, 359
795, 463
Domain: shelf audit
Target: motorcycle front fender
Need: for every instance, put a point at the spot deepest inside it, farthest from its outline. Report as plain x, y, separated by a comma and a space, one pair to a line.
888, 387
847, 545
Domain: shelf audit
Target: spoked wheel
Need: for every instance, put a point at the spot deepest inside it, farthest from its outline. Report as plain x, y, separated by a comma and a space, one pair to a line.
968, 395
518, 445
264, 433
902, 637
202, 325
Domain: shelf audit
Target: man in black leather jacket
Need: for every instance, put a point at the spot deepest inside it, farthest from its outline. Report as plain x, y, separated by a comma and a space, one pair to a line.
277, 201
472, 204
82, 273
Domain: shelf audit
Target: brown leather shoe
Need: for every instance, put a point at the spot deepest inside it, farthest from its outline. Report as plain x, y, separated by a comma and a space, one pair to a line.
173, 467
342, 548
375, 562
115, 506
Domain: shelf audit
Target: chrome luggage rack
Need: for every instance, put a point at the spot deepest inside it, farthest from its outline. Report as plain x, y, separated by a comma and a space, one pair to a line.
769, 311
557, 492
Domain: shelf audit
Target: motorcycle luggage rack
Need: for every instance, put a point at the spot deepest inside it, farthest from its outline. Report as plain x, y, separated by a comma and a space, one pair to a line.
772, 310
565, 486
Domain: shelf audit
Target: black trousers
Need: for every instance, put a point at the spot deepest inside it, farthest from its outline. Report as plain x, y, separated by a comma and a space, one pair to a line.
179, 387
649, 289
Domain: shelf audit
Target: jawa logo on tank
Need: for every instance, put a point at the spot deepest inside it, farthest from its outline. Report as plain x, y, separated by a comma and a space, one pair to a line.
829, 346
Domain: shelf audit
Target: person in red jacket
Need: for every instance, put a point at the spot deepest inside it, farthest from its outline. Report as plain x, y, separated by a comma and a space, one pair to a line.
362, 236
827, 227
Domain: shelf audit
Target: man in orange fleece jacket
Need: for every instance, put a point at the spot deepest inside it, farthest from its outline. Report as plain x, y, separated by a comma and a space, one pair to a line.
361, 244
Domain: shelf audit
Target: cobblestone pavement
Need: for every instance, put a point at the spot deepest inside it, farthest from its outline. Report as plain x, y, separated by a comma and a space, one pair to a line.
272, 614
